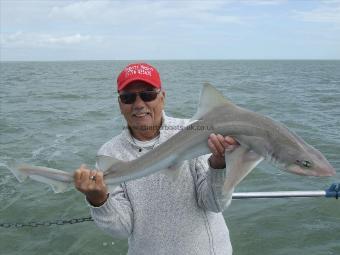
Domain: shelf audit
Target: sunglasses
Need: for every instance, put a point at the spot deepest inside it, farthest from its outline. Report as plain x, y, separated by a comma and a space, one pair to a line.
146, 96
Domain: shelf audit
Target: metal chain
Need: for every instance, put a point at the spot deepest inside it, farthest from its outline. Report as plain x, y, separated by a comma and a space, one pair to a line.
34, 224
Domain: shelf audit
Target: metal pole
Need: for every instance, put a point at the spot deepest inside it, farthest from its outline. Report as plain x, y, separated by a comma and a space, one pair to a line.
279, 194
332, 191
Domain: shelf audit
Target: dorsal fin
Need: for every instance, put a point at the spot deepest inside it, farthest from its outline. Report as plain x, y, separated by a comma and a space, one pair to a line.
210, 98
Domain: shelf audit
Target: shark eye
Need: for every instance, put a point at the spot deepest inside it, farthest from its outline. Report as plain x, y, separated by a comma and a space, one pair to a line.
304, 163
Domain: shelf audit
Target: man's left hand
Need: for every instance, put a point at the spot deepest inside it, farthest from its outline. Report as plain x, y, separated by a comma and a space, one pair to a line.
218, 144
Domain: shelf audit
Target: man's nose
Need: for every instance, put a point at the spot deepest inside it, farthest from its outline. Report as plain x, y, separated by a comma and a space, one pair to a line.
139, 103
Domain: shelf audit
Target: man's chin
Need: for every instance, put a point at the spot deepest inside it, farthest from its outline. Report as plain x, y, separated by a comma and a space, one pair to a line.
144, 126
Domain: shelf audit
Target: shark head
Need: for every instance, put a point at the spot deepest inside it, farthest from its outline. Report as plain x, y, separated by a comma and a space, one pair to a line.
278, 145
310, 162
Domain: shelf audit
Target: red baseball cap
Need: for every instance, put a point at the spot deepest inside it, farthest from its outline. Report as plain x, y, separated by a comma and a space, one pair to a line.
138, 72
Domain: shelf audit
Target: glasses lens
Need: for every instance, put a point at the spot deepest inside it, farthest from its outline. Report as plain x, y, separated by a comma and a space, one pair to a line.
128, 98
148, 96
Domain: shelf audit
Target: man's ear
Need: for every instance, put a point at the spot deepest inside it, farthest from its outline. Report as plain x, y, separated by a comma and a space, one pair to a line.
120, 105
163, 97
163, 94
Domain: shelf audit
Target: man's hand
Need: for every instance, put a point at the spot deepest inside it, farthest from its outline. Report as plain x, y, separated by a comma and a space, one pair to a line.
218, 145
91, 183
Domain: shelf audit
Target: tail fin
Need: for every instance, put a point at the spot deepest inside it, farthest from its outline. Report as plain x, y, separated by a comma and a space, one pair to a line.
21, 173
21, 176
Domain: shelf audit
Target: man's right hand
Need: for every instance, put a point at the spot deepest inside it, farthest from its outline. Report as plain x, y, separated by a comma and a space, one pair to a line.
91, 183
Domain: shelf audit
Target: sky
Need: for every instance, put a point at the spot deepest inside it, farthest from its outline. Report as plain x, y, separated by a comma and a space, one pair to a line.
49, 30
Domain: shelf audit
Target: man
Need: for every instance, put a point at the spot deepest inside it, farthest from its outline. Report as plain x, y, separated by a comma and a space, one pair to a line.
157, 214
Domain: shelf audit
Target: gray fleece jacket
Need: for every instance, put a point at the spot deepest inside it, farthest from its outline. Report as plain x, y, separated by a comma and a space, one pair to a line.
162, 216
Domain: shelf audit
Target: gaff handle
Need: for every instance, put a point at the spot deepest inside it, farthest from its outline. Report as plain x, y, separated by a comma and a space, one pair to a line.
333, 190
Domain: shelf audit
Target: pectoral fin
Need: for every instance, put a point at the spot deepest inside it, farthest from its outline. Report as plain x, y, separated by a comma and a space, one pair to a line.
240, 163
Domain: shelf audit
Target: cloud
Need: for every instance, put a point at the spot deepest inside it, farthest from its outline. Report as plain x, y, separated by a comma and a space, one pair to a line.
71, 39
116, 24
328, 12
145, 12
263, 2
20, 38
117, 29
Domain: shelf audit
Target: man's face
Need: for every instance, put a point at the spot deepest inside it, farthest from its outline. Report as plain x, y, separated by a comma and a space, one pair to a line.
142, 114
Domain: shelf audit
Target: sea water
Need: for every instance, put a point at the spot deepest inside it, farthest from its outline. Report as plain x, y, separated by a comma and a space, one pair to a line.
58, 114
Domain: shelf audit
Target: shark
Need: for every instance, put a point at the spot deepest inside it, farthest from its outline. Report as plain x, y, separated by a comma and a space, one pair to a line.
260, 139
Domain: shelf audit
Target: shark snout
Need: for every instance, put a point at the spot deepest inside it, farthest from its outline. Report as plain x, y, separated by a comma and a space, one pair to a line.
318, 170
323, 169
327, 171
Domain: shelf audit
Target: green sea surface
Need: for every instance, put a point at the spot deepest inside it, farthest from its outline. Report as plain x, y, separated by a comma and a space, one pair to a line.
58, 114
